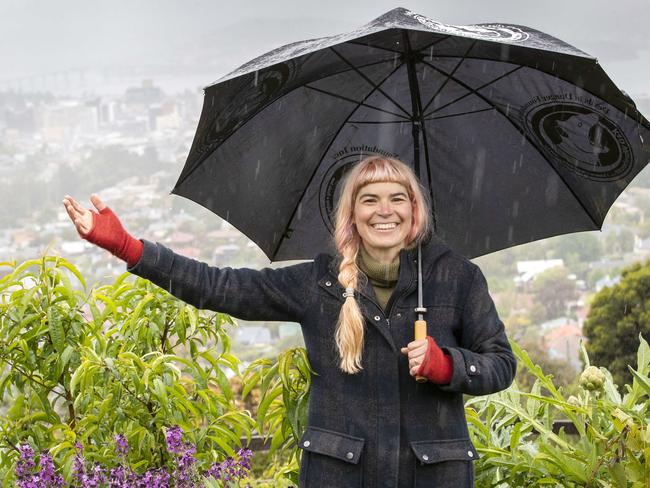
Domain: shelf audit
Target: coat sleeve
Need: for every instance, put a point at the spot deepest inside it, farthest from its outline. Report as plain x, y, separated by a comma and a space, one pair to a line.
483, 363
268, 294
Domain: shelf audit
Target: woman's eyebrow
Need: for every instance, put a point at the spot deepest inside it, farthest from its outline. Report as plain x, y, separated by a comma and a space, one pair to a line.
392, 195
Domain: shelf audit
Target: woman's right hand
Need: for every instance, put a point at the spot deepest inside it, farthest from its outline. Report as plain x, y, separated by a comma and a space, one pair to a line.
104, 229
81, 217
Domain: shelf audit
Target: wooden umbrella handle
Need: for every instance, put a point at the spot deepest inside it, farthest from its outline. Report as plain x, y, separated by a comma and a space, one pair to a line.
420, 334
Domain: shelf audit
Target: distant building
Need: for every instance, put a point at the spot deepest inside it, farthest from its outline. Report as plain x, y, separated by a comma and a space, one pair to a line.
65, 120
528, 270
253, 335
606, 281
562, 341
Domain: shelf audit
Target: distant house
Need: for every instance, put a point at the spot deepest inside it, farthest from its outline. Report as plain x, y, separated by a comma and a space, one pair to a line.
641, 245
528, 270
563, 342
606, 281
253, 335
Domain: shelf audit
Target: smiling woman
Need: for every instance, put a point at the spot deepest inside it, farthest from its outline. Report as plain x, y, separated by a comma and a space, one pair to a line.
369, 422
383, 216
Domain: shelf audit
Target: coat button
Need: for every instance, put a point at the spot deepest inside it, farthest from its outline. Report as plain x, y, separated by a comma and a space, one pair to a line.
306, 443
472, 368
377, 318
470, 453
425, 457
349, 455
328, 283
399, 315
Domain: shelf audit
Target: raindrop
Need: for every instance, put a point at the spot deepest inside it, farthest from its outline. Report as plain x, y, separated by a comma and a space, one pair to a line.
299, 211
483, 67
255, 79
487, 242
257, 169
212, 101
553, 66
169, 286
394, 60
430, 53
228, 215
551, 192
515, 209
507, 109
510, 232
641, 137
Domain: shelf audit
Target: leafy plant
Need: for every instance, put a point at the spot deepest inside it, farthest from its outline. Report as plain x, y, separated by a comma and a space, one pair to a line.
125, 358
513, 431
282, 413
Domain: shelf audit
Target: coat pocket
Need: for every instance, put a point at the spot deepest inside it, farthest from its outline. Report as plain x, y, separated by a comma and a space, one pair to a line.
444, 463
330, 459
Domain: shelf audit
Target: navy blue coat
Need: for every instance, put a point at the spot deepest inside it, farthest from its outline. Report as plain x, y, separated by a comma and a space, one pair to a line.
377, 428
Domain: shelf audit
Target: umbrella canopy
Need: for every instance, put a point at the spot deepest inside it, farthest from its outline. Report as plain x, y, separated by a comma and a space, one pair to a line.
516, 135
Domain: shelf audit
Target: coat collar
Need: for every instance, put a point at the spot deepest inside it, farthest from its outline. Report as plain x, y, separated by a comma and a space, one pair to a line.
432, 249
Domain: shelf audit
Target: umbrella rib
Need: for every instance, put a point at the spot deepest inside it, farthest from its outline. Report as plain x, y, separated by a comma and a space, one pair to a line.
356, 102
437, 41
354, 68
428, 46
311, 178
373, 46
530, 141
463, 113
473, 91
375, 121
441, 87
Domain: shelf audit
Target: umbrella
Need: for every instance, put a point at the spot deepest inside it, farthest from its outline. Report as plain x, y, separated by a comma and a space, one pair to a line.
516, 135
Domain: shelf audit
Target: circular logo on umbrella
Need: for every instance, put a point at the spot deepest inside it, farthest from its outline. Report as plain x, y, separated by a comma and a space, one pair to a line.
229, 112
490, 32
582, 138
330, 187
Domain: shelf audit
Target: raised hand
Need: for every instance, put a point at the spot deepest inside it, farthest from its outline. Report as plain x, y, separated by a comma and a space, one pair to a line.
104, 229
81, 216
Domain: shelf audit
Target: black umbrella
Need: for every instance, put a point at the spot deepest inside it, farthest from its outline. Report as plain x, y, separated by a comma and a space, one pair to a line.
517, 135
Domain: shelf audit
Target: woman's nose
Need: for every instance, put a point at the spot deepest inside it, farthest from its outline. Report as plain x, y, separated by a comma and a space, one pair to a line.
385, 208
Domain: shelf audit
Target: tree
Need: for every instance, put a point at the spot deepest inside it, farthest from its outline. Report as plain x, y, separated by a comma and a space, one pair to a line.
617, 316
553, 289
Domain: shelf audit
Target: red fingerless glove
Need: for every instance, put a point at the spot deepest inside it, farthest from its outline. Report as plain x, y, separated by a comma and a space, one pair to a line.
109, 233
436, 365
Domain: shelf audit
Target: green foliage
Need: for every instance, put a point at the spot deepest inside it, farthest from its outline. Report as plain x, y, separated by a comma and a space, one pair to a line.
282, 413
616, 318
513, 431
124, 358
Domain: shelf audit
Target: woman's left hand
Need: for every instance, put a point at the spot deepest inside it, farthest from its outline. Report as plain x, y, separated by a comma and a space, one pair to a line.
416, 351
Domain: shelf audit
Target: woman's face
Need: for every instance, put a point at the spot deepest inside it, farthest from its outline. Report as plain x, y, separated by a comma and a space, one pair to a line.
383, 215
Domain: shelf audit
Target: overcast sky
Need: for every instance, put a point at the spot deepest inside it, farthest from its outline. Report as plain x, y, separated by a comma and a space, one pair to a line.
39, 36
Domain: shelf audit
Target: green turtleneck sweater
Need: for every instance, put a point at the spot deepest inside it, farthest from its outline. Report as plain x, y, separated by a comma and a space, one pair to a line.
383, 277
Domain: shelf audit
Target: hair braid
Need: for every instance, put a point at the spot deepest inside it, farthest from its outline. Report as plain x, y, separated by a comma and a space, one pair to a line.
349, 328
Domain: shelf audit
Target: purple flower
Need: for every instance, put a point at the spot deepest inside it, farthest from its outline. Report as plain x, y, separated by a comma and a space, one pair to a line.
79, 464
174, 439
26, 462
47, 475
121, 446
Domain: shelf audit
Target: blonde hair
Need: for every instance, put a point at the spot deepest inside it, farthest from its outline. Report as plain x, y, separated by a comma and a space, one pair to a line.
373, 169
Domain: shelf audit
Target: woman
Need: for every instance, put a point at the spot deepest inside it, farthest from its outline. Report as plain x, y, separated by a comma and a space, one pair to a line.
370, 423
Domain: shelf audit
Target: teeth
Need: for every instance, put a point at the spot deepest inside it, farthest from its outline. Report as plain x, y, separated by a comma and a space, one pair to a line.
384, 226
